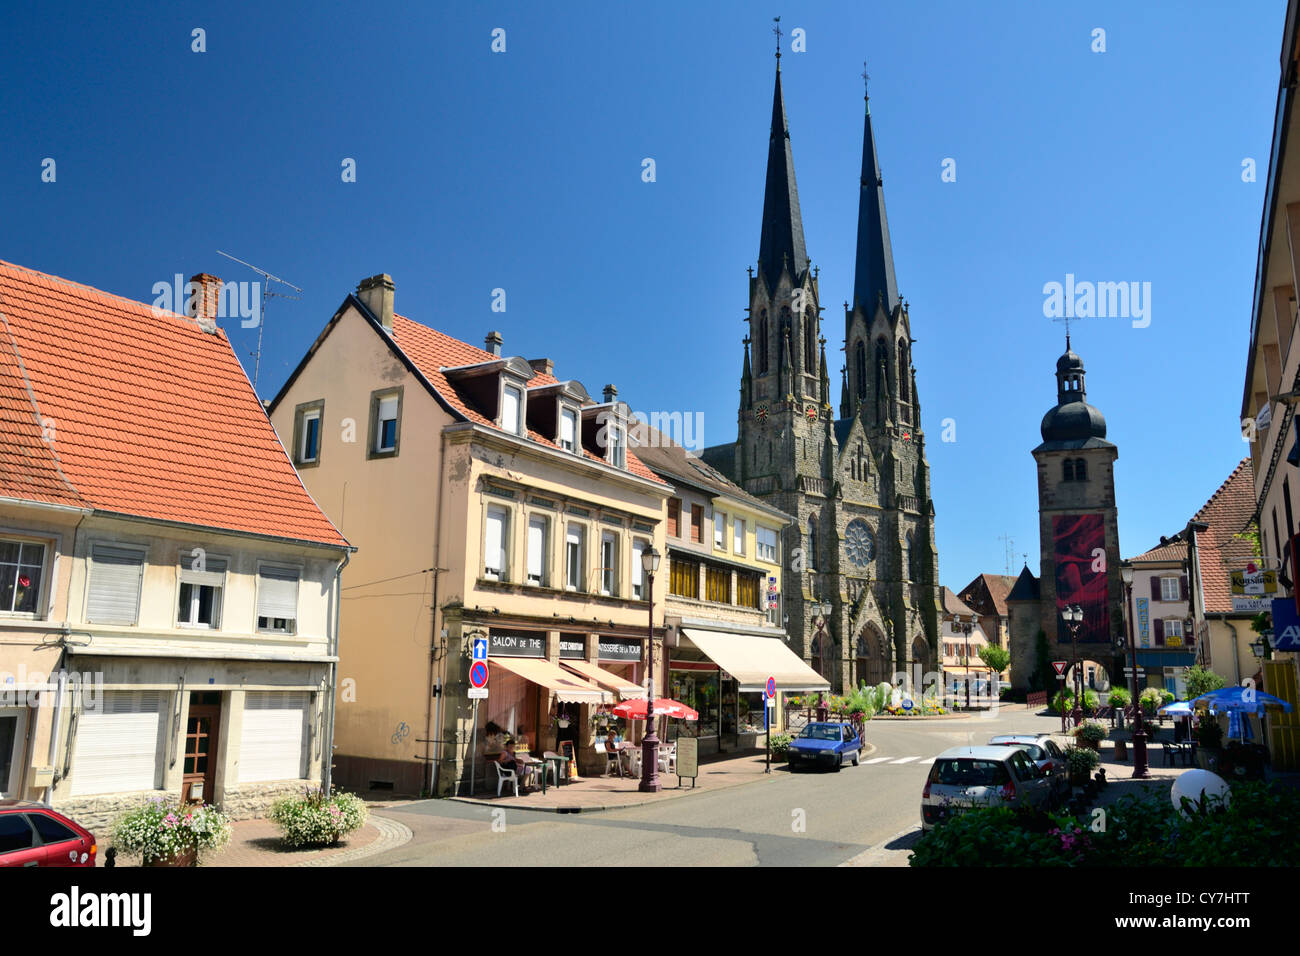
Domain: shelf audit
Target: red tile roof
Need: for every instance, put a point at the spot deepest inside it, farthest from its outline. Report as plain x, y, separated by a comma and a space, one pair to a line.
430, 350
998, 587
1229, 510
149, 415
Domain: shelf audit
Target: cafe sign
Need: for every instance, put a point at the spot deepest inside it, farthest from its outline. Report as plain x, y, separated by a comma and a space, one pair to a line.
1253, 580
573, 647
613, 649
518, 644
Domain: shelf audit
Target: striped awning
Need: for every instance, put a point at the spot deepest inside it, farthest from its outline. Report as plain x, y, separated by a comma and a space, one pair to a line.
568, 687
626, 689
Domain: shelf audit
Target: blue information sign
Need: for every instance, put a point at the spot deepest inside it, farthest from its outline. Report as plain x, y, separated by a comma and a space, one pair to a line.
480, 648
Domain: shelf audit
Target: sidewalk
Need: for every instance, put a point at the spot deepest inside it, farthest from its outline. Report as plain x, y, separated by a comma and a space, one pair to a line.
257, 843
591, 794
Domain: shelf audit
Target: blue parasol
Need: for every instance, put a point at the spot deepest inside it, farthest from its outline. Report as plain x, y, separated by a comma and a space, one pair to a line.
1236, 698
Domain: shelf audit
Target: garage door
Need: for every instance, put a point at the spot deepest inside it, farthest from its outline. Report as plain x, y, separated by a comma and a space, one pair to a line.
273, 744
117, 743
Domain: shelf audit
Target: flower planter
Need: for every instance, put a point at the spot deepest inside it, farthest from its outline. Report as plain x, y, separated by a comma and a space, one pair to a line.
185, 858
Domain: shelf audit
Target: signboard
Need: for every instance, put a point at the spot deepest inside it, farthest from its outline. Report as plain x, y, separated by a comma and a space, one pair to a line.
1253, 579
615, 649
477, 693
771, 688
1059, 667
1286, 625
480, 648
772, 595
1252, 605
1144, 621
688, 758
573, 647
1264, 417
519, 644
478, 674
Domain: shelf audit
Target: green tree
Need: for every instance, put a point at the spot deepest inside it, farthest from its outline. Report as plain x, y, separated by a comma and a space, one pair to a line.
1201, 681
996, 658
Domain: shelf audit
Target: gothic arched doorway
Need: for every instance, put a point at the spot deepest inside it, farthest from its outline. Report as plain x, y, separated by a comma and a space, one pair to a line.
921, 666
872, 658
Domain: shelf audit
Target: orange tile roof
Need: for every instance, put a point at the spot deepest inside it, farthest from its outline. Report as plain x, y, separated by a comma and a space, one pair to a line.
1229, 510
150, 415
430, 350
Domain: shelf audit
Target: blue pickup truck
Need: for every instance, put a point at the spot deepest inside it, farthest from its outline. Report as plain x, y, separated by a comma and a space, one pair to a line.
826, 744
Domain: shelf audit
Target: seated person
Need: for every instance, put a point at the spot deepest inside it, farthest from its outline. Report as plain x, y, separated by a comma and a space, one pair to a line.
508, 758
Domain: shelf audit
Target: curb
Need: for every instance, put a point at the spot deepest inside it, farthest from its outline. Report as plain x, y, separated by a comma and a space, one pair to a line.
391, 836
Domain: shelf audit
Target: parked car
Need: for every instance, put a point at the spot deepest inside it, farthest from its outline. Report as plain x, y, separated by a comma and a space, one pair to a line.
964, 777
31, 834
1043, 751
825, 744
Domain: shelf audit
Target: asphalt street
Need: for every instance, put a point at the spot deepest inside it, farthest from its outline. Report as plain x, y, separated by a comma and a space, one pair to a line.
869, 814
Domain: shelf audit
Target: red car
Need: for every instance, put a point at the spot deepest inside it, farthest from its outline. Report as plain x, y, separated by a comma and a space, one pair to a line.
31, 834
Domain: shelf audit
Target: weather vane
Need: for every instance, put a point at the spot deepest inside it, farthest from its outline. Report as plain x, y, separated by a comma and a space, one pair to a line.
865, 78
777, 30
1066, 320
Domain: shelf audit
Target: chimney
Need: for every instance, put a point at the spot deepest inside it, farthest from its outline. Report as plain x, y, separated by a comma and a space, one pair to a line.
611, 394
545, 366
493, 342
205, 296
376, 294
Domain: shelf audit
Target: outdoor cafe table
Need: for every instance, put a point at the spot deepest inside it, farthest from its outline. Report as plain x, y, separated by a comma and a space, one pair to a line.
561, 769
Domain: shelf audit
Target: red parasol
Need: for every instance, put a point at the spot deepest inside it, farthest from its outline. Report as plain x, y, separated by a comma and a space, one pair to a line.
664, 707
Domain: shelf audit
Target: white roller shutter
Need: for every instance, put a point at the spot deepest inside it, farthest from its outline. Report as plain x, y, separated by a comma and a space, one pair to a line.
114, 585
277, 593
117, 743
273, 743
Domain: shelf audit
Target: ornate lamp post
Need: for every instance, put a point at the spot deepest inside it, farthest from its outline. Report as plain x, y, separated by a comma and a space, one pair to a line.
1073, 617
1139, 729
650, 743
965, 627
822, 610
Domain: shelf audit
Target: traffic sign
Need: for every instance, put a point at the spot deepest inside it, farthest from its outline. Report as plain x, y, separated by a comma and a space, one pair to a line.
478, 693
480, 648
907, 703
478, 674
771, 687
1060, 667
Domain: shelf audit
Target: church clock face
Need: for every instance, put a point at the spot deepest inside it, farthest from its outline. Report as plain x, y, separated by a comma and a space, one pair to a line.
860, 543
760, 411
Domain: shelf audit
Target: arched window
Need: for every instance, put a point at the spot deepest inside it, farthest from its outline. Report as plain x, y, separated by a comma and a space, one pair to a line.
903, 375
1067, 473
784, 337
881, 369
812, 542
860, 361
910, 558
761, 344
1080, 470
809, 342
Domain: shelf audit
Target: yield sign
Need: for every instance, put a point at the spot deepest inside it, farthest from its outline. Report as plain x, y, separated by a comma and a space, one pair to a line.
1060, 666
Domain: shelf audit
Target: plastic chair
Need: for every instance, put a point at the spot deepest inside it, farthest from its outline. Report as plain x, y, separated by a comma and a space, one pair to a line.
550, 756
668, 758
506, 776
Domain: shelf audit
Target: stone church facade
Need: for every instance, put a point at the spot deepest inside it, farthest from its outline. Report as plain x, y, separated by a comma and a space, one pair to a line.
855, 477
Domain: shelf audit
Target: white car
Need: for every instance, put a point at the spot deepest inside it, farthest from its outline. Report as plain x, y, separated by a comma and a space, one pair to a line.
1043, 751
965, 777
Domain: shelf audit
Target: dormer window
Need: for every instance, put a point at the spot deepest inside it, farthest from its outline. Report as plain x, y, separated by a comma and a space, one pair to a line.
569, 429
618, 446
511, 399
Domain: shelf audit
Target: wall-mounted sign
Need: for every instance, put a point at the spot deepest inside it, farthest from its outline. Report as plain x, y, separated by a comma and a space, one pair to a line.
517, 644
616, 649
1144, 621
573, 647
1253, 580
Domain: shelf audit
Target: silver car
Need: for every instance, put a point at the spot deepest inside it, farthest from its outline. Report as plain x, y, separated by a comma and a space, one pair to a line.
964, 777
1044, 752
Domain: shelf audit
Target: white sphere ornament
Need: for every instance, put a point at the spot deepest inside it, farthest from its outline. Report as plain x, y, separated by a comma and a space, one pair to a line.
1197, 785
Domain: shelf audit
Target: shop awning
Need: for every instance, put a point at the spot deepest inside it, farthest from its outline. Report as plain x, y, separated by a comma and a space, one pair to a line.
568, 688
626, 689
752, 660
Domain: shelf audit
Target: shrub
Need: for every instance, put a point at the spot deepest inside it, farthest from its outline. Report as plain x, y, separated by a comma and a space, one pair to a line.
1151, 699
316, 820
1063, 700
161, 830
780, 744
1090, 700
1091, 733
1119, 697
1081, 761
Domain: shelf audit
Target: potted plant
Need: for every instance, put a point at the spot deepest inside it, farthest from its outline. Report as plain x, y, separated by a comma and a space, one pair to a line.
1090, 734
316, 820
1079, 764
1209, 742
167, 833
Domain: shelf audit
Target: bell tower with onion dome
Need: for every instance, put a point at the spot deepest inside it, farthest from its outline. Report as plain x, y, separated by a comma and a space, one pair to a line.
1078, 523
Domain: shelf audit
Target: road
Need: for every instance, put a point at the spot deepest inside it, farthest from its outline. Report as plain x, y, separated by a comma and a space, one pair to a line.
869, 812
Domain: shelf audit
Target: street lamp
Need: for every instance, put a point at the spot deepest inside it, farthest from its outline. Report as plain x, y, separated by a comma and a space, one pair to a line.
1073, 617
650, 742
965, 628
822, 610
1139, 728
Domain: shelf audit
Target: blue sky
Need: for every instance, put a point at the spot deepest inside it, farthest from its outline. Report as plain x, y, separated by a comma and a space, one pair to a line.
522, 171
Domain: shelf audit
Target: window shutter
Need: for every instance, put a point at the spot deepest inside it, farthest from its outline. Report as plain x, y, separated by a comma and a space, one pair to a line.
1155, 587
117, 744
566, 429
1182, 586
114, 585
674, 513
536, 532
1160, 632
214, 576
272, 745
277, 593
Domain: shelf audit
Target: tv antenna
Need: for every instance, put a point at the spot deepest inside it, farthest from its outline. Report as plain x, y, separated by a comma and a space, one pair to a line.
266, 294
1008, 551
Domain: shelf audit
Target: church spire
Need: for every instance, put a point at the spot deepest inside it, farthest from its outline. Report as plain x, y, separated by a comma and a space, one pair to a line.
782, 236
874, 277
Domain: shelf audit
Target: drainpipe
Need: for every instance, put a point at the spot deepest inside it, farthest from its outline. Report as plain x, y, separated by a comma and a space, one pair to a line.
431, 773
327, 758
